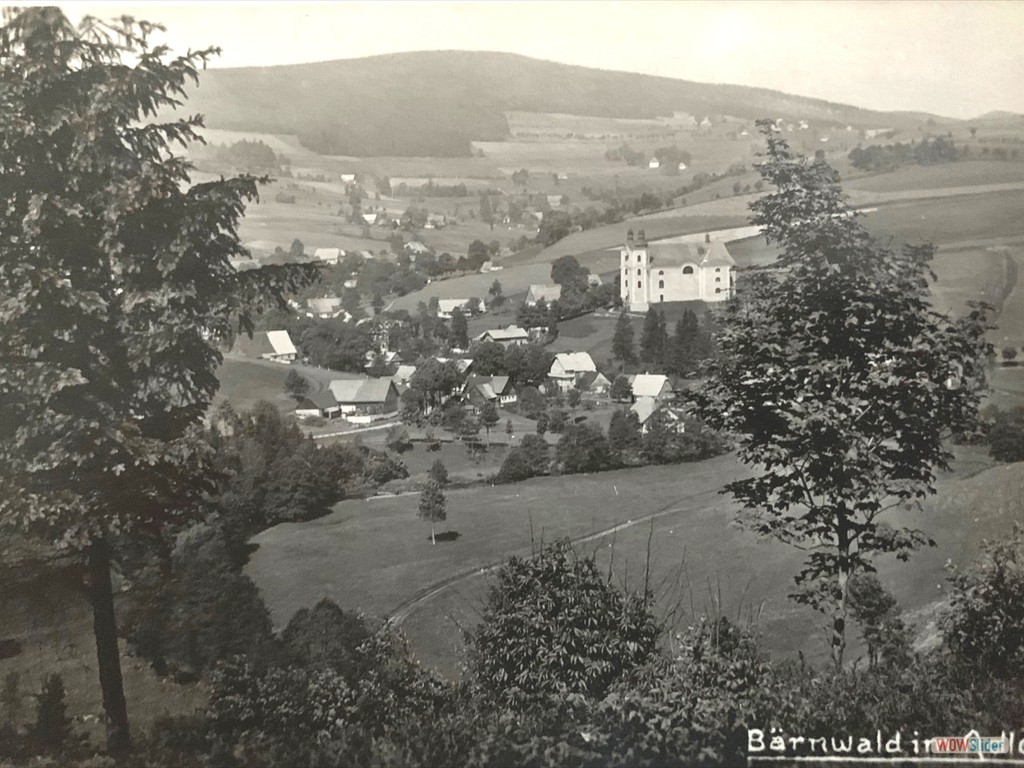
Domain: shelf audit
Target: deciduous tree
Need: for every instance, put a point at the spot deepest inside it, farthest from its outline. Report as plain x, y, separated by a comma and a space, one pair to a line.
118, 287
433, 507
841, 381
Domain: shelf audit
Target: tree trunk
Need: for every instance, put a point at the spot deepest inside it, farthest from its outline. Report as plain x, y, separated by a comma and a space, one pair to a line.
108, 656
433, 538
843, 577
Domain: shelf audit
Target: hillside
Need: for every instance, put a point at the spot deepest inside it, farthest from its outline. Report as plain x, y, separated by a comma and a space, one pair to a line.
434, 103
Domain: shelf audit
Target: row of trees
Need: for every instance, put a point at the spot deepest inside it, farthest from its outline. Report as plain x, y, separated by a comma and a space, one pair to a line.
679, 354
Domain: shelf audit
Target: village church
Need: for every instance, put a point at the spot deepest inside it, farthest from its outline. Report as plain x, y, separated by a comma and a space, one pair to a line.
659, 272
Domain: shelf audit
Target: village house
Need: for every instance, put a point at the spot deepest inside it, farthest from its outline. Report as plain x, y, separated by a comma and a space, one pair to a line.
659, 272
568, 367
594, 383
328, 255
275, 346
594, 281
328, 306
646, 408
654, 163
445, 307
650, 386
363, 400
402, 374
512, 336
548, 293
480, 390
490, 266
318, 404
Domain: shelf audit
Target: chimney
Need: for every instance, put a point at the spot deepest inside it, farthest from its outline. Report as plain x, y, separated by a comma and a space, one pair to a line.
629, 236
641, 238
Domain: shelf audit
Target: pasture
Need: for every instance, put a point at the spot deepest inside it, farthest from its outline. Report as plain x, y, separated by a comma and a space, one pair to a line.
244, 382
376, 556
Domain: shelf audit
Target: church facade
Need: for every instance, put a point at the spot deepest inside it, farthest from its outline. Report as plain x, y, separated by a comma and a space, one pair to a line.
654, 273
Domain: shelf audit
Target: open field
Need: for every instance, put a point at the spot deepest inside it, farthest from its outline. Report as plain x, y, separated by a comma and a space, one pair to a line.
244, 382
925, 177
375, 555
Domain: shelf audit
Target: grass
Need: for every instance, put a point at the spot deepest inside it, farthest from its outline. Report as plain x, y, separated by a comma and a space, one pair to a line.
970, 172
244, 382
52, 620
374, 555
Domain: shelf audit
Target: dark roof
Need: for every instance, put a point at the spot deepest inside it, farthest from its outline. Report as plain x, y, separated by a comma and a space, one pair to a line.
323, 399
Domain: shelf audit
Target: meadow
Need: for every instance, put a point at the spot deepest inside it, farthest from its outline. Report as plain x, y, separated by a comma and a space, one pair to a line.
376, 556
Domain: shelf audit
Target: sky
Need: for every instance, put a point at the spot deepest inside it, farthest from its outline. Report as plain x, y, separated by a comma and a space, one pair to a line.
958, 58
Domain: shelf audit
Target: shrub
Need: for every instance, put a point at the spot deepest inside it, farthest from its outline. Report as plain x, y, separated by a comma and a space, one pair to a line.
984, 625
553, 624
582, 448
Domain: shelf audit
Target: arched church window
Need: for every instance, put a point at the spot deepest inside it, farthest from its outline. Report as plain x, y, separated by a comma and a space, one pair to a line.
687, 270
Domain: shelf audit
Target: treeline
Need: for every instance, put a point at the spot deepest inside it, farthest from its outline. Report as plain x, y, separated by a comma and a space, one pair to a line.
930, 151
585, 448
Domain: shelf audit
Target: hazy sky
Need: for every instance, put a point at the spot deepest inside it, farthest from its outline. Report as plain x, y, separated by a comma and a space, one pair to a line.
952, 57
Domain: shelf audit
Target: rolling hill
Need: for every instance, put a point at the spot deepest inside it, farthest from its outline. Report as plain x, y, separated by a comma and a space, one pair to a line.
434, 103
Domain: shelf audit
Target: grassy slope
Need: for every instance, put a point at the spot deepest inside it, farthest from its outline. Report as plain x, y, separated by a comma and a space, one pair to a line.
374, 555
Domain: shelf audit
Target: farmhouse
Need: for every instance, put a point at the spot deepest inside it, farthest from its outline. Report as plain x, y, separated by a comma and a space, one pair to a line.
403, 373
320, 404
646, 408
593, 383
328, 306
328, 255
490, 266
659, 272
512, 336
480, 390
548, 293
445, 307
649, 386
568, 367
365, 399
268, 345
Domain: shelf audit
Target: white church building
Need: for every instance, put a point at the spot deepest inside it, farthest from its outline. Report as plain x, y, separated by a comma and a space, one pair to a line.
653, 273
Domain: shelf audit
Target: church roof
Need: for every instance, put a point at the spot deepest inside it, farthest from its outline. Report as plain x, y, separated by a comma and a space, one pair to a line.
664, 255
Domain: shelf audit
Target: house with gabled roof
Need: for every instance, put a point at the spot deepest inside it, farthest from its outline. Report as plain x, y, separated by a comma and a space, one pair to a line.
365, 399
480, 390
593, 383
548, 293
650, 386
327, 306
568, 367
445, 307
316, 404
646, 408
512, 336
267, 345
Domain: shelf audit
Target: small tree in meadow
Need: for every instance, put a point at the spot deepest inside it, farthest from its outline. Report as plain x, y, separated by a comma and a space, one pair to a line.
433, 507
